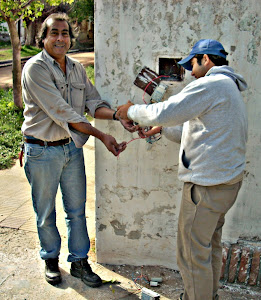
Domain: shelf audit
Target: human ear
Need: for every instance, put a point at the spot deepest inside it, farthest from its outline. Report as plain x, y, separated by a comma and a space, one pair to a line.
205, 59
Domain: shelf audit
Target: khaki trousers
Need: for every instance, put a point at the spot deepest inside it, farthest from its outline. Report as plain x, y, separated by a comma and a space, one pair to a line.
199, 248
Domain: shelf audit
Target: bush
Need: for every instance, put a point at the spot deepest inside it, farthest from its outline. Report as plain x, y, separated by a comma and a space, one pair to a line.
11, 120
90, 73
4, 44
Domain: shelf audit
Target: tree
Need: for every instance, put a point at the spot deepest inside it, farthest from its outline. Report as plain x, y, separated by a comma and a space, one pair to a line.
11, 12
81, 9
33, 26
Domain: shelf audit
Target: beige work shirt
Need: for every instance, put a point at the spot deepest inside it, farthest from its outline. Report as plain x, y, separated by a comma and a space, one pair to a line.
54, 99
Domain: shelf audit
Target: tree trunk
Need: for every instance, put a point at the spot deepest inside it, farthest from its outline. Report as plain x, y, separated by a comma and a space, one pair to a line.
17, 70
30, 33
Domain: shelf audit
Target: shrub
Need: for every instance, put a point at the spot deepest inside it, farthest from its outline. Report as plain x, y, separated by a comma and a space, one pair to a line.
11, 120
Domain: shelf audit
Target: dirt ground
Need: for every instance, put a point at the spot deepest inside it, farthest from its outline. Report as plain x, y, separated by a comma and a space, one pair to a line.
21, 276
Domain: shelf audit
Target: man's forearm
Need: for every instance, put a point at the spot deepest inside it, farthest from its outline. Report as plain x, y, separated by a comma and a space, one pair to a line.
108, 140
104, 113
87, 129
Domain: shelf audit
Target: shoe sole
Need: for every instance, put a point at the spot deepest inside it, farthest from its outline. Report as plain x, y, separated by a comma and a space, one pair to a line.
54, 281
90, 284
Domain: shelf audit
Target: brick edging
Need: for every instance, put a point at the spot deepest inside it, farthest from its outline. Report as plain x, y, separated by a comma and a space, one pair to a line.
241, 264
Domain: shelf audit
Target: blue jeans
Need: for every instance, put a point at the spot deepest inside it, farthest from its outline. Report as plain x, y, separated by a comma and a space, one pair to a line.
45, 168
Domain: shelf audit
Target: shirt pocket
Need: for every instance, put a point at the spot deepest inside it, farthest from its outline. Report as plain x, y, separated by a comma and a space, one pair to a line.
62, 87
77, 97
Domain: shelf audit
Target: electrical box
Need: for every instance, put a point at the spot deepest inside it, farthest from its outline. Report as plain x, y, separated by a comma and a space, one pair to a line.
150, 82
158, 93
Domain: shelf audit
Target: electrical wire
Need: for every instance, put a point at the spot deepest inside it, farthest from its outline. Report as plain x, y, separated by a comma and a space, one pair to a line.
153, 138
149, 85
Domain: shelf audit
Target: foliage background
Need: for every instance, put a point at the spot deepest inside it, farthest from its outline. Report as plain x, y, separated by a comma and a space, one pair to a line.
11, 119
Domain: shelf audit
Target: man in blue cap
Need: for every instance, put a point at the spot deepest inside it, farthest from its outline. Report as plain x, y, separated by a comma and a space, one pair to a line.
204, 47
208, 118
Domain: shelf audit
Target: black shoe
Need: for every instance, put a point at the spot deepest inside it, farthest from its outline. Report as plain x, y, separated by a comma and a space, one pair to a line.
52, 272
181, 296
82, 269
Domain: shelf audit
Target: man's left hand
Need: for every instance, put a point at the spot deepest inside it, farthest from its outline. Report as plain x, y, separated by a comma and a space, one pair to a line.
149, 131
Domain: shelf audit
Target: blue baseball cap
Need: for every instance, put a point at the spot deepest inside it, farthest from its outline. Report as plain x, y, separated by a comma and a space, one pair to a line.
203, 47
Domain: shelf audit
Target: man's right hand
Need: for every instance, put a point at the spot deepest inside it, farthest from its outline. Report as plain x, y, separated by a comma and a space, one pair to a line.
112, 145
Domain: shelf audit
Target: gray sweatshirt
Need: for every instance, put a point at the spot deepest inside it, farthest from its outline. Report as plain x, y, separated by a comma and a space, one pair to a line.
208, 117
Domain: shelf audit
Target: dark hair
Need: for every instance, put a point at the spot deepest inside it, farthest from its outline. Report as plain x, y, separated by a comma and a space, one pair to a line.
216, 59
44, 27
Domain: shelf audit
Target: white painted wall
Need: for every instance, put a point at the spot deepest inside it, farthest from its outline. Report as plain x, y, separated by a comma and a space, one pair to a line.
138, 194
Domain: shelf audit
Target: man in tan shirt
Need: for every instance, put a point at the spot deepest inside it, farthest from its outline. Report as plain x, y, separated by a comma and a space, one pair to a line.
56, 93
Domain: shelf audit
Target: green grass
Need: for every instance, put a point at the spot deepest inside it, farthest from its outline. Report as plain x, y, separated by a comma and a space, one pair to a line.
7, 53
11, 119
29, 51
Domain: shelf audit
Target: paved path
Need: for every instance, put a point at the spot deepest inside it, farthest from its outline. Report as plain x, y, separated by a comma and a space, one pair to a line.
86, 58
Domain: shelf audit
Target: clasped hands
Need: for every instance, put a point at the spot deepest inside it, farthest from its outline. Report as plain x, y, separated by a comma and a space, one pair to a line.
122, 115
122, 111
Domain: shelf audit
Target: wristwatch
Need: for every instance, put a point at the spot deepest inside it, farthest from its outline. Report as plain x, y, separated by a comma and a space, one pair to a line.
114, 116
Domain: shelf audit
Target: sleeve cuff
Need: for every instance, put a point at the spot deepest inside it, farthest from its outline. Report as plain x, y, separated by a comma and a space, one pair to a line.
130, 111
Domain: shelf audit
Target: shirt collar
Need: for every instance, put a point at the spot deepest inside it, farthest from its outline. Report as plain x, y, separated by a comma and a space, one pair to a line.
69, 62
48, 57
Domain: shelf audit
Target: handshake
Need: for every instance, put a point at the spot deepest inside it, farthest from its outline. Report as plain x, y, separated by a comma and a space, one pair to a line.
122, 115
122, 111
129, 125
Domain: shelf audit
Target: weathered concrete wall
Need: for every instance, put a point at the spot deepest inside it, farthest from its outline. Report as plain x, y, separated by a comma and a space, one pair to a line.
138, 195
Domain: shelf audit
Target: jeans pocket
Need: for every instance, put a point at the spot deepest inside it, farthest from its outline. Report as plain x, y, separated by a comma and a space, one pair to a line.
34, 151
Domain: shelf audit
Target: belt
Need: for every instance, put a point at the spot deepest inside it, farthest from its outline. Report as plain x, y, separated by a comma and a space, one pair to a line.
44, 143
